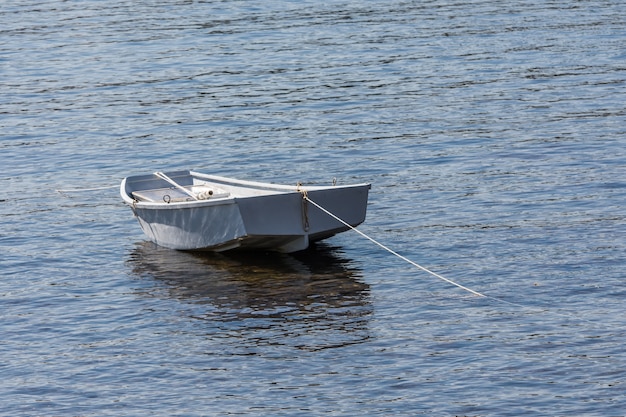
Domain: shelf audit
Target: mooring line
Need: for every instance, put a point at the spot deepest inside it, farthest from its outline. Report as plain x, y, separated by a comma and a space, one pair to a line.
78, 190
404, 258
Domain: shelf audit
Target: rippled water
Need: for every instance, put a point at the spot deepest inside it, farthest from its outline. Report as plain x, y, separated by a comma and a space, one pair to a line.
493, 136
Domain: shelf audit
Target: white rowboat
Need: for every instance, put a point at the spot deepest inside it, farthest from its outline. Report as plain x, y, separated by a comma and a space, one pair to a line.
188, 210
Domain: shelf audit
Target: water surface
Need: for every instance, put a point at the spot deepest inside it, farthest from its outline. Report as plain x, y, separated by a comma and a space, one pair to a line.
493, 136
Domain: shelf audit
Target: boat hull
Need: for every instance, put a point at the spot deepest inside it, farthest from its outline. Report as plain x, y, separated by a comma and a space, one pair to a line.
245, 215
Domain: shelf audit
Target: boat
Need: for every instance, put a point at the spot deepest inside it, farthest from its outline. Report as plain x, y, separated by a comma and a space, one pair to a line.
192, 211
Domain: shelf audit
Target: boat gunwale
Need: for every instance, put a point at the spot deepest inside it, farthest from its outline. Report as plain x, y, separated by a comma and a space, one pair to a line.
231, 199
272, 186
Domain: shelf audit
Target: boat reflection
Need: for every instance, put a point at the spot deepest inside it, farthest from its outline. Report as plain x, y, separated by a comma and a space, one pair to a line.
314, 299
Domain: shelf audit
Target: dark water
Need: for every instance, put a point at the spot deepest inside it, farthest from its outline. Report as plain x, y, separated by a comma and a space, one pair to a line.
493, 134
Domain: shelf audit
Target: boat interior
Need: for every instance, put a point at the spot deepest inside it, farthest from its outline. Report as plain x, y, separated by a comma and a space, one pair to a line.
184, 186
176, 195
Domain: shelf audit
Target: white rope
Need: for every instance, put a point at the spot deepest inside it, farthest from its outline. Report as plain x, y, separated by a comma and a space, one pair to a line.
78, 190
449, 281
570, 316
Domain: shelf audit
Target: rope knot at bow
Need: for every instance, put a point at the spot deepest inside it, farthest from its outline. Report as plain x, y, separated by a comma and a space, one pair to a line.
305, 207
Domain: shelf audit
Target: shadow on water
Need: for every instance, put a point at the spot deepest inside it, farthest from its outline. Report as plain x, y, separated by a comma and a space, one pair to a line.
312, 299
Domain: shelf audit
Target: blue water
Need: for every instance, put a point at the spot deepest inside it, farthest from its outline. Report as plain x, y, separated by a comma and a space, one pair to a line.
494, 136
